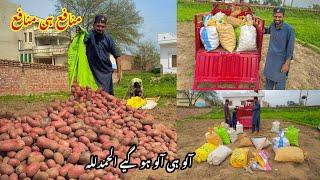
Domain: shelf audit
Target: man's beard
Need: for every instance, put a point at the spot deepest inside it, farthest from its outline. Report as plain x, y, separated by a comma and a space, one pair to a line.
278, 22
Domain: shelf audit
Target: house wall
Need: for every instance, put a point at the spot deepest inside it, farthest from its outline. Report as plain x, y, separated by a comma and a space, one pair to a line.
166, 52
8, 38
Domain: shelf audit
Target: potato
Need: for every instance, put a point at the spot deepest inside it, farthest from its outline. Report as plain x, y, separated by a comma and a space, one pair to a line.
65, 130
11, 145
41, 176
46, 143
76, 171
13, 162
51, 163
58, 158
63, 171
27, 140
32, 169
6, 169
43, 166
53, 172
13, 176
23, 154
48, 153
35, 157
20, 168
74, 157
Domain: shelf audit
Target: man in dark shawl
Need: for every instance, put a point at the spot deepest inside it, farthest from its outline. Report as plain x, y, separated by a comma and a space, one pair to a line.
227, 112
256, 115
99, 46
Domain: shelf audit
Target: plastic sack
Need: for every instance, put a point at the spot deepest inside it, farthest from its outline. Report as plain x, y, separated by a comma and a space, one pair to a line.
239, 128
262, 159
150, 105
279, 142
213, 138
247, 39
260, 142
219, 17
233, 135
217, 156
136, 102
245, 142
203, 152
292, 135
237, 32
78, 67
235, 22
289, 154
239, 157
227, 36
275, 127
222, 132
209, 38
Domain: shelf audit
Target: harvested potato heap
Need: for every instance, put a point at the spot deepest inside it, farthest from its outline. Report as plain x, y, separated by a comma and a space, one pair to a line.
57, 142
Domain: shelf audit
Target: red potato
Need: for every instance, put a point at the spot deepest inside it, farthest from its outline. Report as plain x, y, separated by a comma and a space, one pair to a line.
65, 130
63, 171
4, 177
32, 169
38, 130
76, 171
11, 154
58, 124
53, 172
79, 132
138, 115
35, 156
84, 140
13, 176
60, 178
71, 120
27, 140
43, 166
55, 117
46, 143
84, 158
115, 117
32, 122
76, 126
4, 128
4, 136
58, 158
6, 169
40, 175
91, 135
66, 152
51, 163
20, 168
14, 162
11, 145
74, 157
62, 112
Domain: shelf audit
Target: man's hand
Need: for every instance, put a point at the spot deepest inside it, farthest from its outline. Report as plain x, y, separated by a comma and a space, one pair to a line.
285, 67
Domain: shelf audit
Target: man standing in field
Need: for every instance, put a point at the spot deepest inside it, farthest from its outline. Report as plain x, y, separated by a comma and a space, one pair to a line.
227, 112
99, 45
256, 115
280, 51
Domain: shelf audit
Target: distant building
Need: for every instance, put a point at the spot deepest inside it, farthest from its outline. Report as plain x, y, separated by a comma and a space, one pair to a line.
168, 55
8, 39
239, 99
49, 47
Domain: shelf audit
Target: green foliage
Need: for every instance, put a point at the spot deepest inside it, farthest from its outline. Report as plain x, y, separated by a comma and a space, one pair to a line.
45, 97
301, 21
303, 115
153, 84
146, 54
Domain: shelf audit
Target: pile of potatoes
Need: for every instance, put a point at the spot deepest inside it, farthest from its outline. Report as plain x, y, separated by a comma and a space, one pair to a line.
56, 143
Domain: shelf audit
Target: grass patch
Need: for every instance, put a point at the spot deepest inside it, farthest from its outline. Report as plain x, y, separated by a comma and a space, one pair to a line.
303, 115
306, 24
153, 84
45, 97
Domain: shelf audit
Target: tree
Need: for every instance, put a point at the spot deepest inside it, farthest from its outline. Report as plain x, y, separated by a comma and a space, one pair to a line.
122, 17
145, 55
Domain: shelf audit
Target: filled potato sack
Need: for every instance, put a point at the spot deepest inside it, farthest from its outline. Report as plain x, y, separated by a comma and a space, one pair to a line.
239, 157
223, 133
217, 156
213, 138
227, 36
247, 39
203, 152
292, 135
289, 154
209, 34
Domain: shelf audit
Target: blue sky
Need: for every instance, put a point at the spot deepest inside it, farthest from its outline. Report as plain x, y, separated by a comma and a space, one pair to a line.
159, 15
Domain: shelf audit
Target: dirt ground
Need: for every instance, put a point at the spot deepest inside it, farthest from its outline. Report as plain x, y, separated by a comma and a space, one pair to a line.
304, 69
191, 136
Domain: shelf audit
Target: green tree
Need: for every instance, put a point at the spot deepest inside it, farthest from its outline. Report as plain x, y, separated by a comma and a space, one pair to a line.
122, 17
145, 55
